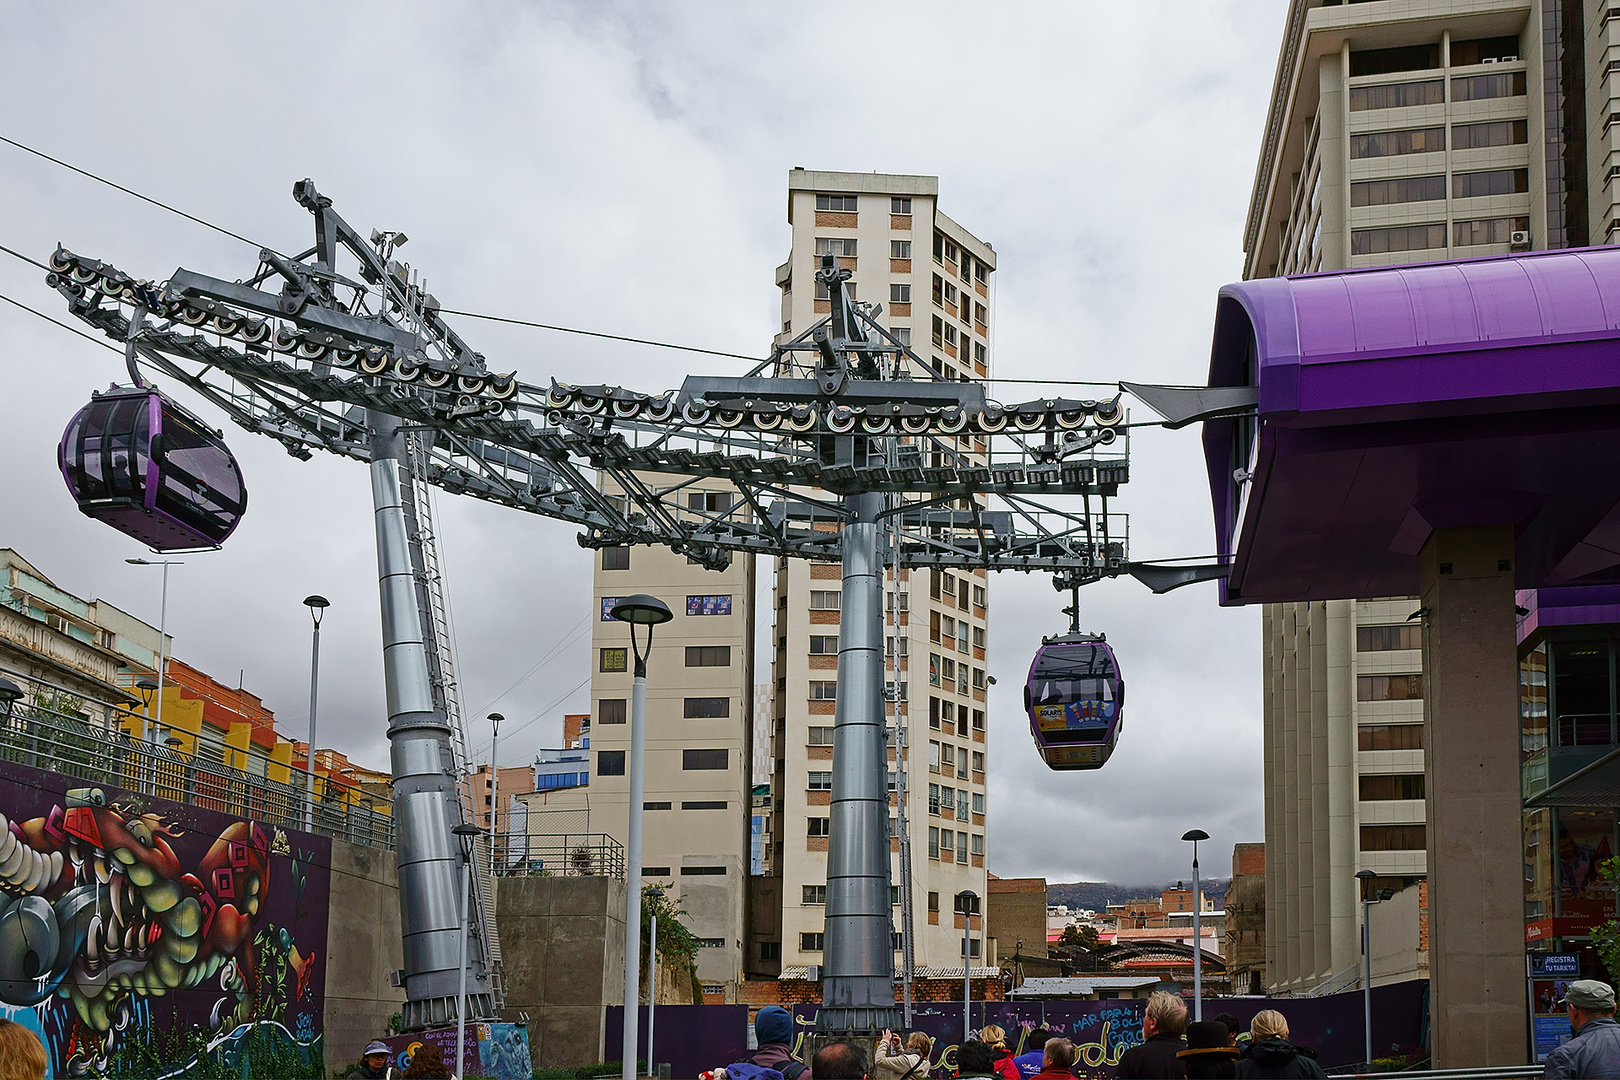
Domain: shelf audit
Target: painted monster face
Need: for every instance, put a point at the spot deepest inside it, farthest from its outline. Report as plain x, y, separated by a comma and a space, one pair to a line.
99, 909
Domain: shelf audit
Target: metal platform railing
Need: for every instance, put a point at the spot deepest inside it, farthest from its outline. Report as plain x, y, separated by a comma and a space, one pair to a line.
1496, 1072
558, 854
79, 738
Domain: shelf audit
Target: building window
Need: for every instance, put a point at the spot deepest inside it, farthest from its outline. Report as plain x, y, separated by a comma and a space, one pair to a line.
824, 690
823, 600
693, 760
978, 763
655, 871
962, 796
818, 826
610, 711
824, 293
933, 756
709, 605
1477, 87
710, 943
1395, 786
704, 708
1393, 838
1490, 182
818, 781
616, 558
823, 644
1402, 95
1389, 638
1489, 133
706, 656
1403, 189
902, 334
706, 804
900, 249
1389, 687
1390, 61
933, 853
819, 736
978, 844
703, 871
1488, 230
979, 598
615, 660
814, 894
933, 799
933, 668
933, 712
961, 847
610, 763
838, 203
978, 719
899, 294
812, 942
835, 245
770, 950
898, 205
978, 802
1389, 737
711, 502
1398, 238
1389, 143
656, 805
608, 604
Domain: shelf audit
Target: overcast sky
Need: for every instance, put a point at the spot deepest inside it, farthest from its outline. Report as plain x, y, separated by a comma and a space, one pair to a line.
622, 168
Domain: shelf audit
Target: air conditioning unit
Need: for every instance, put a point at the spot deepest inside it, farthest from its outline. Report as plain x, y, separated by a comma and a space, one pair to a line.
1509, 59
1519, 238
1488, 60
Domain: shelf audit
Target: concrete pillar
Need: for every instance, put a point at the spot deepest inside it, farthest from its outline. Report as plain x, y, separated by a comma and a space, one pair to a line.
1476, 903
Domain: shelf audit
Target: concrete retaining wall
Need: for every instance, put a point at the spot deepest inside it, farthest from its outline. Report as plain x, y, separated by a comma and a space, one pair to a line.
364, 939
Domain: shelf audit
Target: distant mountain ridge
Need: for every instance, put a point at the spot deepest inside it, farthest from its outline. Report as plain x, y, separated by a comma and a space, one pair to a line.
1097, 895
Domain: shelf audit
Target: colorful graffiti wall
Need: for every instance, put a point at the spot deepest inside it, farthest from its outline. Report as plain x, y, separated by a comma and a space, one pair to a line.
694, 1038
135, 930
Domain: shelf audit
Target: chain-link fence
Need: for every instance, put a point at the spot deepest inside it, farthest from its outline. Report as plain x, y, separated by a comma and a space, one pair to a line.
52, 728
558, 854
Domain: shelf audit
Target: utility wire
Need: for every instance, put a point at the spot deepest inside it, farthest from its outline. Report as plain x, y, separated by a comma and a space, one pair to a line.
130, 191
451, 311
25, 258
70, 329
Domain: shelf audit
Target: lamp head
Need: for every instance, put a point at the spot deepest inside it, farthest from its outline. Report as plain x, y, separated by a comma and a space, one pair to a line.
641, 608
138, 562
1365, 874
147, 688
1195, 835
1386, 893
315, 602
465, 829
495, 719
10, 693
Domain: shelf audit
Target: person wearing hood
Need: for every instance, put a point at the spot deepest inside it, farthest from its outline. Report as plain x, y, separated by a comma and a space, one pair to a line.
773, 1030
1270, 1054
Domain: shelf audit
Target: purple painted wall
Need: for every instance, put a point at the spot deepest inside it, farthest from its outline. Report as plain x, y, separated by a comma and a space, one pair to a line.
696, 1038
129, 923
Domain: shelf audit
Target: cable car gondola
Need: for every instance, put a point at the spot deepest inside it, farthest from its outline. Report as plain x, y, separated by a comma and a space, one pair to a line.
1075, 699
137, 461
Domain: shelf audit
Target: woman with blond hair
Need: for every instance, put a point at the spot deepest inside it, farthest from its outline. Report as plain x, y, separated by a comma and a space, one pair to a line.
995, 1037
894, 1063
1270, 1054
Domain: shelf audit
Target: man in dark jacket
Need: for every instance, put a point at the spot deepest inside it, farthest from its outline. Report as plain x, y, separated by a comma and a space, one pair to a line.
773, 1030
1270, 1054
1155, 1056
975, 1058
1594, 1048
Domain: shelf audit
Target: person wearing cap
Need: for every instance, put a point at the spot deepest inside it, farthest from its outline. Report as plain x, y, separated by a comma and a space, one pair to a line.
375, 1061
1210, 1051
1594, 1047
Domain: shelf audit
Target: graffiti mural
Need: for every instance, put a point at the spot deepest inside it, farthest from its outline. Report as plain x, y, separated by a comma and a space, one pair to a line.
135, 928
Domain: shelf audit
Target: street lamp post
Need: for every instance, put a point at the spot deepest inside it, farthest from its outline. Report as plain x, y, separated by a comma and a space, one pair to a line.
147, 688
1196, 835
494, 719
465, 834
317, 609
639, 609
967, 902
1365, 876
653, 895
163, 636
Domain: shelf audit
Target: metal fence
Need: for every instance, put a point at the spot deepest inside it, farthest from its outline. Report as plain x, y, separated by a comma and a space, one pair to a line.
558, 854
78, 737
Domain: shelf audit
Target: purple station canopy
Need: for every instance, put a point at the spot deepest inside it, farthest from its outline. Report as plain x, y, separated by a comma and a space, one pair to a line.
1397, 401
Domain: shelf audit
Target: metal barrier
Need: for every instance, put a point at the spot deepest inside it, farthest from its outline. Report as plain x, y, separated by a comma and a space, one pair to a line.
1495, 1072
558, 854
60, 731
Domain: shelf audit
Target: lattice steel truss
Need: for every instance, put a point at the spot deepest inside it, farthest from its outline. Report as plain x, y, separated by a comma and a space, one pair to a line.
843, 445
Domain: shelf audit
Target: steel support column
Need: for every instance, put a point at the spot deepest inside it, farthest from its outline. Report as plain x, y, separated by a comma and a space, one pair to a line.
426, 808
858, 980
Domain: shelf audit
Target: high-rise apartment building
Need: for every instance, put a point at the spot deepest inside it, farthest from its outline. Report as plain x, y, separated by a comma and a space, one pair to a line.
932, 279
1400, 131
700, 692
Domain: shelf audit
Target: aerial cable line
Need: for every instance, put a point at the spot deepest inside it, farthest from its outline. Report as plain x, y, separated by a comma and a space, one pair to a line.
547, 658
130, 191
